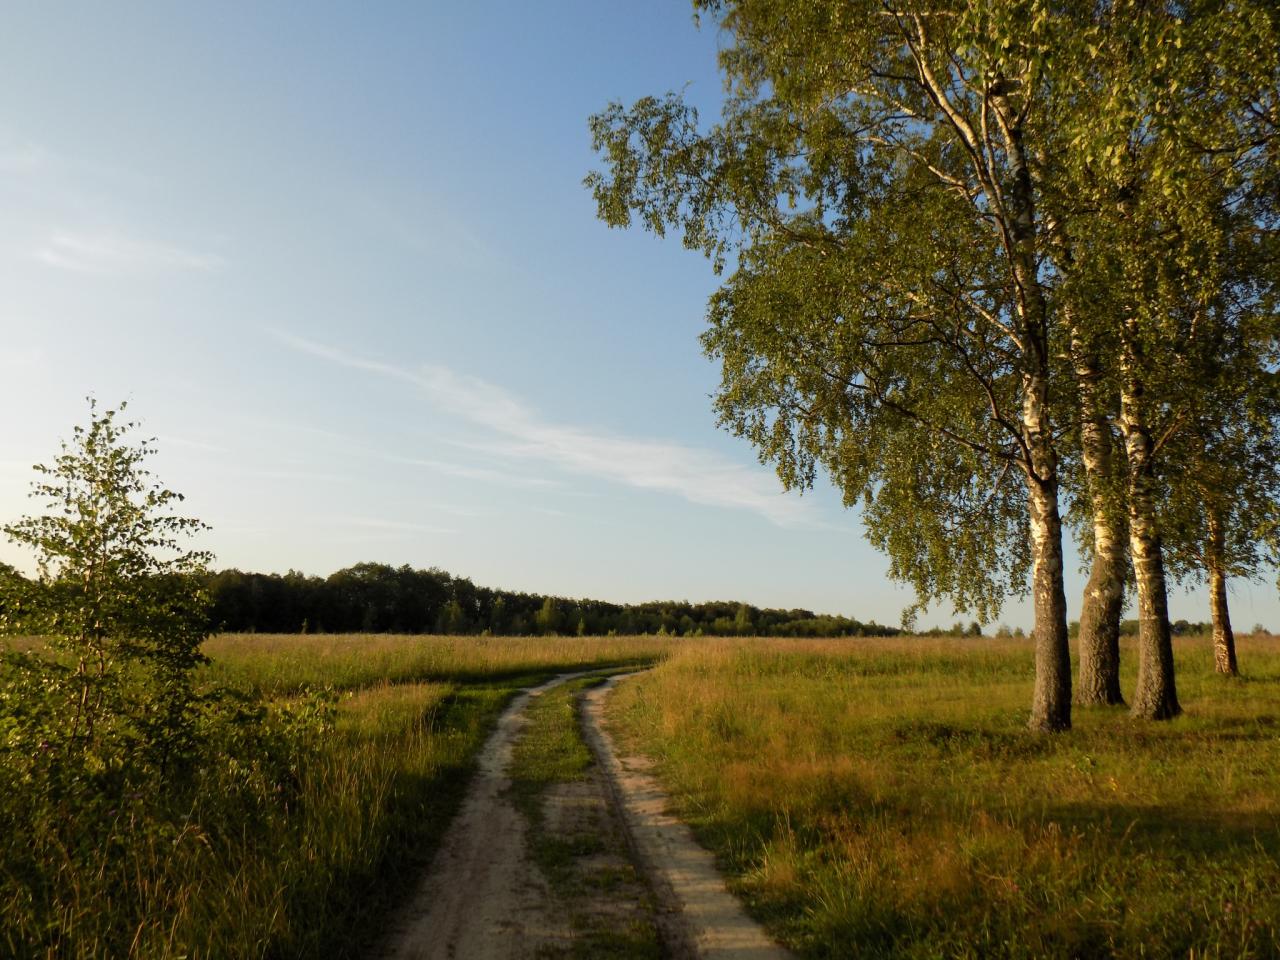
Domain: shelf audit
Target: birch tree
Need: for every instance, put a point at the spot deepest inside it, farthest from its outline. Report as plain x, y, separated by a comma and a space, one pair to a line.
1167, 172
884, 157
1221, 511
117, 594
965, 239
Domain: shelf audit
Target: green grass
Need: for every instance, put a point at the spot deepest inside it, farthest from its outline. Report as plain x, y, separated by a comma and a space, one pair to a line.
312, 874
550, 749
882, 798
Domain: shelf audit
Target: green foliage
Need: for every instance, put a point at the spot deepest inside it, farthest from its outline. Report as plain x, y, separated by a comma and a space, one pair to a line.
328, 770
98, 857
378, 598
115, 770
880, 321
1166, 210
950, 230
118, 598
548, 617
1223, 474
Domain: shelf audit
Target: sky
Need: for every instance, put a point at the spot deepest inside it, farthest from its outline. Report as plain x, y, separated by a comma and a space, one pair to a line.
339, 261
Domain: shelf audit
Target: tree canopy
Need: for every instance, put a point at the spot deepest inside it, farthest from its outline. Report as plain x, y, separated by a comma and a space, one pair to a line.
925, 210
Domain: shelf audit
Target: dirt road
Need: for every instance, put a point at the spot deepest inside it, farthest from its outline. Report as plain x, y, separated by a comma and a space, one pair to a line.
639, 869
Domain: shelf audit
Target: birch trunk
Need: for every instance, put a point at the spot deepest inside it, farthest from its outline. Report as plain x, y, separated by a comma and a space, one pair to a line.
1103, 601
1224, 640
1051, 699
1100, 613
1156, 697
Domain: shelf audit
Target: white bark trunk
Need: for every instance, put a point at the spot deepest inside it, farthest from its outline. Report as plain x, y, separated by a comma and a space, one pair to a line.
1224, 640
1103, 601
1156, 697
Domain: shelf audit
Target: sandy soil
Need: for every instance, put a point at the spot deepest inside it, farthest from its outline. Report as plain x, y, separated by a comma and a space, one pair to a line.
483, 899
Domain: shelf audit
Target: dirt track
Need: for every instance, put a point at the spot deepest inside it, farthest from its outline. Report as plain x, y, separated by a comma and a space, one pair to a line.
483, 899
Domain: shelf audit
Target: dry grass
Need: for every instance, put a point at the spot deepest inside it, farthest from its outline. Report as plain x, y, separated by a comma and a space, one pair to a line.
280, 664
883, 798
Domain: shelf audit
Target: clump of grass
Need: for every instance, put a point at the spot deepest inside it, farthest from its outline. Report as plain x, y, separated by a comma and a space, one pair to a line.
883, 798
550, 748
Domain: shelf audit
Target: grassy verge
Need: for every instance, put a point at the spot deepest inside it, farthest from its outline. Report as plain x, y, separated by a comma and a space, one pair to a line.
303, 859
585, 862
375, 808
883, 799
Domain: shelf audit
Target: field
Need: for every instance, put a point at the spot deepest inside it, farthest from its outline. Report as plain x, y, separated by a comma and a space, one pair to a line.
872, 797
310, 878
881, 798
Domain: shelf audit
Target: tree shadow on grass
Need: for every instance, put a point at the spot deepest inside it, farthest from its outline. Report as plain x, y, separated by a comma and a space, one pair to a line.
1163, 829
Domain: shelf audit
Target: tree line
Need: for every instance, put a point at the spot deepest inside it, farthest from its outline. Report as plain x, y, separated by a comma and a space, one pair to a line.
998, 269
379, 598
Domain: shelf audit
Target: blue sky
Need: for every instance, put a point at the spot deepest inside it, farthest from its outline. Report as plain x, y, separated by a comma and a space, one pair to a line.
340, 261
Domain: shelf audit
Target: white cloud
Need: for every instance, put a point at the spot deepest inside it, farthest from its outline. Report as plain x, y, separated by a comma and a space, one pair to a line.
352, 448
697, 475
108, 254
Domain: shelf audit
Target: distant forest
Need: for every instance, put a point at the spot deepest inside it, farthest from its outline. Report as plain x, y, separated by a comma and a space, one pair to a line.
378, 598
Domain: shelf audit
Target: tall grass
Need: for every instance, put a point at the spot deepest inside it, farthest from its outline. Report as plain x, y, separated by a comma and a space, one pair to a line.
260, 866
882, 798
281, 664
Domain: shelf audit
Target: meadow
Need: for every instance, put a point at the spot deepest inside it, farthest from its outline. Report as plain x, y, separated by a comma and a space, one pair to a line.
301, 860
872, 796
882, 798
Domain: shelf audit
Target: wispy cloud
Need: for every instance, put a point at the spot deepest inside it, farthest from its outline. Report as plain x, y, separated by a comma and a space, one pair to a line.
290, 476
697, 475
169, 440
472, 473
351, 447
374, 523
108, 254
